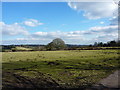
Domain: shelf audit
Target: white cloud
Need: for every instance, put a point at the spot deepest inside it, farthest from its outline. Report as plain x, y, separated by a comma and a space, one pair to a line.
101, 22
103, 33
12, 29
40, 33
97, 30
32, 23
56, 34
104, 29
2, 23
95, 10
106, 37
114, 20
16, 28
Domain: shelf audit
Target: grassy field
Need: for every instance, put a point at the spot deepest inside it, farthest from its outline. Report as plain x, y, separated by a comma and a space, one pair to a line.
69, 69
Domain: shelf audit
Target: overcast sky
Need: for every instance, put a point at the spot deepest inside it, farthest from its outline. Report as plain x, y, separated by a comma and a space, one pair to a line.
75, 23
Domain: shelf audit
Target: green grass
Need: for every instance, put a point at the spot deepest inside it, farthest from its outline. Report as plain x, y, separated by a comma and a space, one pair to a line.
69, 68
21, 49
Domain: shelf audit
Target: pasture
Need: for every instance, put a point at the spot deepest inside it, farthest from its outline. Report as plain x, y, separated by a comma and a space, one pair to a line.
69, 69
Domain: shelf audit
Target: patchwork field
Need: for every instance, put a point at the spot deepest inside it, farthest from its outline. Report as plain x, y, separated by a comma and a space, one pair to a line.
65, 69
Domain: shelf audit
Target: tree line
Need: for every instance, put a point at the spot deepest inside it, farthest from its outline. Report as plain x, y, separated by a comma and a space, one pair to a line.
59, 44
108, 44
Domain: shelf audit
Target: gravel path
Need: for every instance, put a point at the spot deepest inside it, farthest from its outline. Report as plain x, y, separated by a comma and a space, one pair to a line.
112, 81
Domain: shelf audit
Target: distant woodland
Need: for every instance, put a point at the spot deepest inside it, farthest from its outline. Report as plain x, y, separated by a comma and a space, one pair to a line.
59, 44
